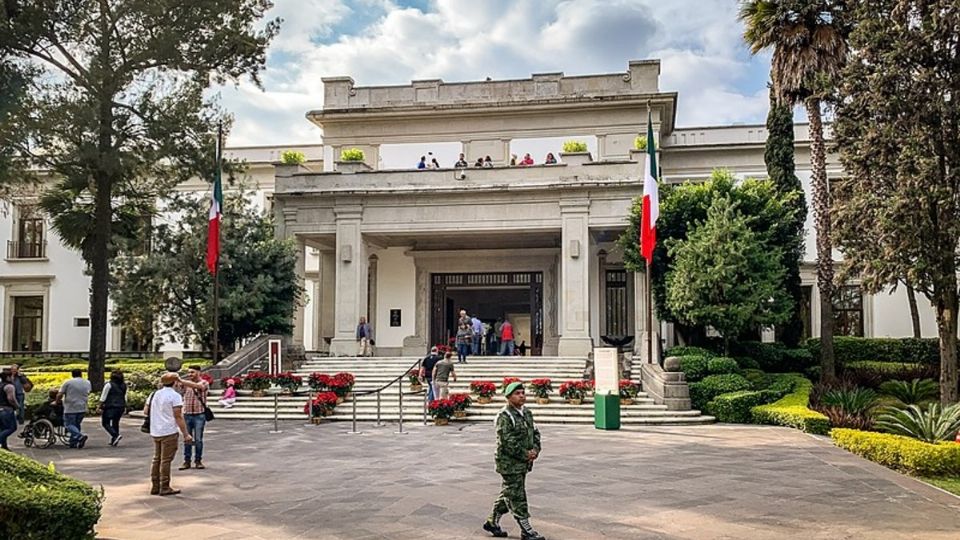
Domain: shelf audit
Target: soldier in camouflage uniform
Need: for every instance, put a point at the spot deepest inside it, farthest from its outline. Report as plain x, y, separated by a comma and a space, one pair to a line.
518, 446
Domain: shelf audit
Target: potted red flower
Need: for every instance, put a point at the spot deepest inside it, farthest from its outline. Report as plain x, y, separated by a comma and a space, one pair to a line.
258, 381
341, 384
207, 377
321, 405
319, 382
413, 376
507, 381
237, 382
628, 391
441, 410
574, 391
542, 388
461, 402
289, 382
484, 391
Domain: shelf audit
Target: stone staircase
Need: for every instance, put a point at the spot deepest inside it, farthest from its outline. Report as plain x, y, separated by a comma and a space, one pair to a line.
372, 373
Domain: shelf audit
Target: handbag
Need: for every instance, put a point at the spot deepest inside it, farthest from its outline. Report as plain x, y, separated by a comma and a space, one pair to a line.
145, 427
207, 411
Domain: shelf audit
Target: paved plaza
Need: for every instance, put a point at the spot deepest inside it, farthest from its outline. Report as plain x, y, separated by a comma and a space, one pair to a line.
706, 482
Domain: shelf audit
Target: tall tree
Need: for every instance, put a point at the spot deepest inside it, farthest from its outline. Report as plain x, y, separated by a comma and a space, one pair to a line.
809, 42
781, 169
898, 131
116, 110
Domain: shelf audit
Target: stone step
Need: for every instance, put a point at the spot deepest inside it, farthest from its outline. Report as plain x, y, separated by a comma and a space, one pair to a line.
455, 388
369, 418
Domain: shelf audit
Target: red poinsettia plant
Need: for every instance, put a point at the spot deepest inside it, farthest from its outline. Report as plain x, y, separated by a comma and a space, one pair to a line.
484, 389
628, 389
319, 382
237, 382
341, 384
441, 408
206, 377
288, 381
461, 402
541, 387
257, 380
321, 405
444, 349
574, 389
507, 381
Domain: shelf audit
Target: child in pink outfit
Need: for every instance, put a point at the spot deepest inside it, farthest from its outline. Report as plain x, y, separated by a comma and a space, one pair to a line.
229, 395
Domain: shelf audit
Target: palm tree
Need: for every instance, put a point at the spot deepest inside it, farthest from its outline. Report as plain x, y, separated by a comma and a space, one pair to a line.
809, 42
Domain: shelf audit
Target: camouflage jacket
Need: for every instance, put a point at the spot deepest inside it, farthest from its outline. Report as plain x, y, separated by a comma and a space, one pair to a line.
516, 435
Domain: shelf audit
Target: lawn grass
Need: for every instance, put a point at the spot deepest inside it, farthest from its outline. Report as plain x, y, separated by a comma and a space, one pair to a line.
949, 483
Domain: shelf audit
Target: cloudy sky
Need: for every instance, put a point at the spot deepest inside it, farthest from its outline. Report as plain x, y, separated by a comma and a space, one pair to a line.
394, 41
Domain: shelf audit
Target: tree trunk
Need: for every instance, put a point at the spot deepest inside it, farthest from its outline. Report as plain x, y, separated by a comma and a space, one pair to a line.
914, 312
821, 219
946, 305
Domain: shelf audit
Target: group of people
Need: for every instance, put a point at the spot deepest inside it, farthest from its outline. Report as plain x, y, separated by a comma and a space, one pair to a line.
429, 161
477, 337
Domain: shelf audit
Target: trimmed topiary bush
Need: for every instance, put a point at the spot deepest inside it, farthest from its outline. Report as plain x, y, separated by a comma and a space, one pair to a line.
292, 157
901, 453
694, 367
713, 385
684, 350
351, 154
722, 365
38, 503
792, 411
573, 147
855, 349
775, 357
735, 406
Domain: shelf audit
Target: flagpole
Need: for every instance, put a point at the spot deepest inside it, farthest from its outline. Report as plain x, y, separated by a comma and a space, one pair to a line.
216, 271
650, 316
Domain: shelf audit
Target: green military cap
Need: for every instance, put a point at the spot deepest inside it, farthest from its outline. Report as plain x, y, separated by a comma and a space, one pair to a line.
511, 388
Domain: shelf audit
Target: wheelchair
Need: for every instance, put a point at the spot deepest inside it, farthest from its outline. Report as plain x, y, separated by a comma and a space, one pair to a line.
42, 433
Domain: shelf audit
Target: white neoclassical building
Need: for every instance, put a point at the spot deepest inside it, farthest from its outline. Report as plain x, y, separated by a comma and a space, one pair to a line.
408, 248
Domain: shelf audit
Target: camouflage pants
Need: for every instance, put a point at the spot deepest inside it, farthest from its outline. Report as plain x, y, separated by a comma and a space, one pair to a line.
513, 498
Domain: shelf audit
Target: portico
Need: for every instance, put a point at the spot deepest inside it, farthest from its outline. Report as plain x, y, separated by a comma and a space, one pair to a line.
407, 247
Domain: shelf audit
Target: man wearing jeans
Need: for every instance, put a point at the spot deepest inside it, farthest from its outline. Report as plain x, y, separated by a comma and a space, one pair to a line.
194, 391
477, 325
165, 411
73, 394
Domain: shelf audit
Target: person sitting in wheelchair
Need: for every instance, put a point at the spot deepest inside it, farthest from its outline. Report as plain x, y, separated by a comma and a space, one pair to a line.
51, 409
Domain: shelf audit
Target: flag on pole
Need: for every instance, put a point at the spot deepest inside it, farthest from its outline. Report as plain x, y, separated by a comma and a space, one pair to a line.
216, 213
651, 199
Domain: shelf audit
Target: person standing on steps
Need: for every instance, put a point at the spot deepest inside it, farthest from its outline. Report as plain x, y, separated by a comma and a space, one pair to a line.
364, 338
464, 337
442, 373
506, 338
477, 326
518, 446
165, 410
426, 372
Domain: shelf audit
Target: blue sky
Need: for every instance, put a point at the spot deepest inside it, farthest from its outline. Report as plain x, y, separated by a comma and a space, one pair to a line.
393, 41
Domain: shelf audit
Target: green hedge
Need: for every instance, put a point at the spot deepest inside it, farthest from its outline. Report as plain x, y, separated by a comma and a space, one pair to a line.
773, 357
713, 385
735, 406
856, 349
694, 367
39, 503
792, 411
901, 453
126, 365
683, 350
722, 365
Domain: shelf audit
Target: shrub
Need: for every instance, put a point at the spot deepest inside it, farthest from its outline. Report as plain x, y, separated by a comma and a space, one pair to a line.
47, 381
484, 389
571, 147
775, 357
854, 349
37, 503
542, 388
142, 381
791, 410
722, 365
683, 350
845, 406
640, 143
292, 157
735, 406
713, 385
351, 154
694, 367
930, 425
321, 405
746, 362
461, 402
136, 399
912, 392
901, 453
757, 378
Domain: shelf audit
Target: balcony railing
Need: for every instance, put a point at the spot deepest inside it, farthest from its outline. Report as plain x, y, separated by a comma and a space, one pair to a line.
26, 250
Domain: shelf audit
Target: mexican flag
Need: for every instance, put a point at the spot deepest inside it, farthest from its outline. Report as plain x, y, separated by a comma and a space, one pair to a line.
651, 200
216, 213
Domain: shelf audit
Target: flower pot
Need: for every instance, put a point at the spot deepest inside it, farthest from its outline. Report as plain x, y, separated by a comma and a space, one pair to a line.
459, 414
483, 400
626, 401
416, 388
339, 400
441, 421
316, 420
543, 400
259, 393
287, 391
572, 401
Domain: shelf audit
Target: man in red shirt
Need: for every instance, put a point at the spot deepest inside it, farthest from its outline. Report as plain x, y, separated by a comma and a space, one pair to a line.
506, 338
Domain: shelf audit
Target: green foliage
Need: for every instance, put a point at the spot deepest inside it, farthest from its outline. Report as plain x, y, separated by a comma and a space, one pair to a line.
683, 350
37, 503
722, 365
713, 385
774, 357
258, 285
684, 206
756, 377
640, 143
572, 147
792, 411
694, 368
292, 157
858, 349
735, 406
848, 407
351, 154
136, 399
901, 453
912, 392
726, 276
933, 424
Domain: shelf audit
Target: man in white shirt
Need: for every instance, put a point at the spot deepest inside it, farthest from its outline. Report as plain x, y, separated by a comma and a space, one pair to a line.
165, 410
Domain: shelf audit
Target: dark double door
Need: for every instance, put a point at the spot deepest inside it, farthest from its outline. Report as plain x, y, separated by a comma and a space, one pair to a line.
489, 296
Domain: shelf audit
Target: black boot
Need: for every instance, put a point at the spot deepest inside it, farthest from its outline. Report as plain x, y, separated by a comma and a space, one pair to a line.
494, 529
527, 532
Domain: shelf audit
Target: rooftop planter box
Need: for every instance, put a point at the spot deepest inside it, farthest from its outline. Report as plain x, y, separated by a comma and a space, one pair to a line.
576, 158
289, 169
352, 167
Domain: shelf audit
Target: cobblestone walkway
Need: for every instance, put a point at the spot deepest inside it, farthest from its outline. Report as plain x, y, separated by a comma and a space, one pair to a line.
707, 482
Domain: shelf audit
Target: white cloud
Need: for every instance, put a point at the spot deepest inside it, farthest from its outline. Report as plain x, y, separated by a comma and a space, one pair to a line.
379, 42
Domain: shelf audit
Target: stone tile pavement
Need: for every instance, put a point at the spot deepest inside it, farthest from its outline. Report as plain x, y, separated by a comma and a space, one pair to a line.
707, 482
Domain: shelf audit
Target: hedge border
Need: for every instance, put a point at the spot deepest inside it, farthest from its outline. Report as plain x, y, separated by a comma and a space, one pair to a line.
901, 453
791, 410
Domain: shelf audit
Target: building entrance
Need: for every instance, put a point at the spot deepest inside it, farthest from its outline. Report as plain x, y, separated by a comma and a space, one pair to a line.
517, 296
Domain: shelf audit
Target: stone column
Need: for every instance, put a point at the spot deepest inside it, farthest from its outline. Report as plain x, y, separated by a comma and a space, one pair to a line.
640, 319
298, 313
575, 278
351, 280
326, 304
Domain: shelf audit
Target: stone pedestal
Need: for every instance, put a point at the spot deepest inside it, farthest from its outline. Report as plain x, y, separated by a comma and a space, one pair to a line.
351, 280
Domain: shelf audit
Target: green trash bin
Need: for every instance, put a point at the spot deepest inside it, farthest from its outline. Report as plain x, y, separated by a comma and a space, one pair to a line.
606, 411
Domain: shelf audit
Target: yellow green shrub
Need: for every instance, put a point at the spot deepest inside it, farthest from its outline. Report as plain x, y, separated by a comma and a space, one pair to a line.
792, 411
901, 453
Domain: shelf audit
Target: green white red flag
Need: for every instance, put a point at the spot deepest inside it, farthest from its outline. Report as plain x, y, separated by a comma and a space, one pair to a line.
216, 214
651, 199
